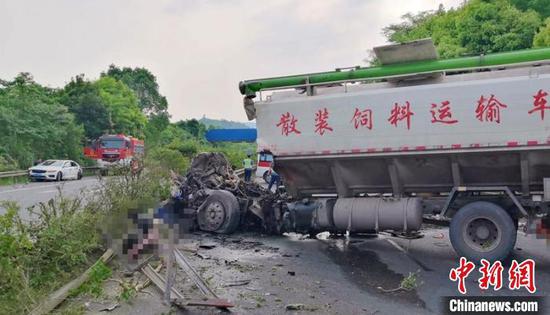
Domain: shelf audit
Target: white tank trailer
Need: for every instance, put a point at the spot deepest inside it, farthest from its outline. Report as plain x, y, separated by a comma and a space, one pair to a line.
465, 140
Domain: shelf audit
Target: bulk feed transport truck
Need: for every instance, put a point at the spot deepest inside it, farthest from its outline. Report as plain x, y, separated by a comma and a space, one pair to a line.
372, 149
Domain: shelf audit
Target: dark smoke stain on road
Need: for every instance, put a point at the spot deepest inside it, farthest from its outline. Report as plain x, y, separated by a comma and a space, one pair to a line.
365, 269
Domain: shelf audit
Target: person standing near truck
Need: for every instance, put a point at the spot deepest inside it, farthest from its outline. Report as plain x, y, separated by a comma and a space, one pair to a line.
248, 166
275, 179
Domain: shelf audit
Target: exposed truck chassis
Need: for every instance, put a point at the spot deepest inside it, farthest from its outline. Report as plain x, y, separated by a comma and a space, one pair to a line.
486, 227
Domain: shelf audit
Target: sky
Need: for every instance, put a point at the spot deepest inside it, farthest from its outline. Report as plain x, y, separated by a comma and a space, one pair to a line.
198, 50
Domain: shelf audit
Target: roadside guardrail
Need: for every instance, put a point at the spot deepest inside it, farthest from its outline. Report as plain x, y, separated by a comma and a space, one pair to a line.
239, 172
13, 174
20, 173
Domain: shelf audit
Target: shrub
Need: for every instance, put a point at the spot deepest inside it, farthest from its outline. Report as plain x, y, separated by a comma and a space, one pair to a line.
15, 245
39, 257
187, 148
7, 164
65, 237
167, 158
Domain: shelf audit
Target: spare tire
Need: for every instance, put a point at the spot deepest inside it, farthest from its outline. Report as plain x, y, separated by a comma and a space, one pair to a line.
219, 213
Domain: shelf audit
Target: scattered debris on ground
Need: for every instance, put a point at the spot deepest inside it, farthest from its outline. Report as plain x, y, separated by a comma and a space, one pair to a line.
237, 283
177, 298
109, 308
408, 283
258, 282
301, 307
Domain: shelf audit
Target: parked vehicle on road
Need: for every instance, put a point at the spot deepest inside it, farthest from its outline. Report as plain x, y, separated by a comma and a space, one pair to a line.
115, 150
57, 170
374, 149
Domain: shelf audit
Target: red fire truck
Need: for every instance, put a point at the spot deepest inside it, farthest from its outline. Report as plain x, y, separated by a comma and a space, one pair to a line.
114, 150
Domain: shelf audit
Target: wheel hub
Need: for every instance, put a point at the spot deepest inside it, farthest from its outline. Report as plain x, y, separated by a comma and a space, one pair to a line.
212, 217
482, 234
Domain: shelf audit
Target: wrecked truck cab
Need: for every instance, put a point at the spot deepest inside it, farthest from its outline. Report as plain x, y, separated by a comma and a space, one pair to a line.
220, 200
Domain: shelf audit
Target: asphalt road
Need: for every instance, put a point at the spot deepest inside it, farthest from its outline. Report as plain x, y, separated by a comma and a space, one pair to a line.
340, 275
30, 194
330, 275
432, 257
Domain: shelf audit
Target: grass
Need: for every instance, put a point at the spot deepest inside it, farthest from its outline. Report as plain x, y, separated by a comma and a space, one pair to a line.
94, 285
39, 257
128, 291
14, 180
410, 282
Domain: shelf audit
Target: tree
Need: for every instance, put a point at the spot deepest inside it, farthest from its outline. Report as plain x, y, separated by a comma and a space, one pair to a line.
474, 28
542, 7
83, 100
173, 133
493, 26
122, 106
194, 127
145, 86
33, 124
439, 25
542, 38
155, 126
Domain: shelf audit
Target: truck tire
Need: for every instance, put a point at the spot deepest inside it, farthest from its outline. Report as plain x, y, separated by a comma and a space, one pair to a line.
482, 230
219, 213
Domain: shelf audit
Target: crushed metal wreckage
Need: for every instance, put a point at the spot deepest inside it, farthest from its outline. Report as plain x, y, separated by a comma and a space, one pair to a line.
222, 202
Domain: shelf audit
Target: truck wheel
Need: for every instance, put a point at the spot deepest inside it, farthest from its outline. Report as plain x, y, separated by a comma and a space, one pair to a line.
220, 213
482, 230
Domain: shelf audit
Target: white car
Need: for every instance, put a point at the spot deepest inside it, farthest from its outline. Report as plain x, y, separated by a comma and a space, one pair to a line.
55, 170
